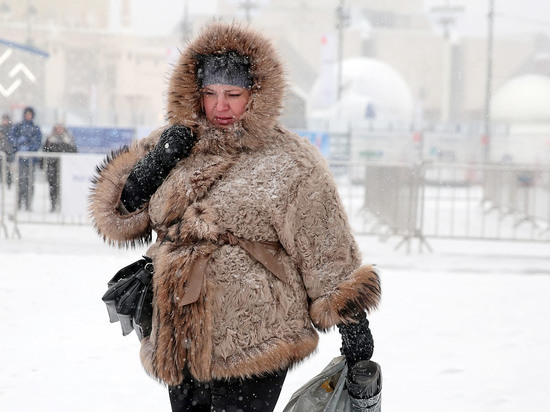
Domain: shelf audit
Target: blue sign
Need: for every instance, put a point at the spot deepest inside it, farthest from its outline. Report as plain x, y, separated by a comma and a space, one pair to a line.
319, 139
101, 139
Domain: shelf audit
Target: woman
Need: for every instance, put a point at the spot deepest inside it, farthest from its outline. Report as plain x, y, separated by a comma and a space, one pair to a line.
253, 250
58, 141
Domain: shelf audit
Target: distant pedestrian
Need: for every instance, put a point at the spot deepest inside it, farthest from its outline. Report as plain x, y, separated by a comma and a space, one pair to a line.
6, 147
60, 140
26, 137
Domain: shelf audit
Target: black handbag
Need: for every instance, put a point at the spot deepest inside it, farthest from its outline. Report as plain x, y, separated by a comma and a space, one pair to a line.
129, 298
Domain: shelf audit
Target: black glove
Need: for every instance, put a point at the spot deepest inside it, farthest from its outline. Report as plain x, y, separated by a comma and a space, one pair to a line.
364, 379
148, 174
357, 342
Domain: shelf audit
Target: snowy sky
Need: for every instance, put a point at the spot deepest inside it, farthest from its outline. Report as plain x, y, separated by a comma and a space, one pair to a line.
513, 17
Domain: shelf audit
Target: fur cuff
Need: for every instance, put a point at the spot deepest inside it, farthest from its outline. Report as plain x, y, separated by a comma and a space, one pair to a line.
361, 291
110, 221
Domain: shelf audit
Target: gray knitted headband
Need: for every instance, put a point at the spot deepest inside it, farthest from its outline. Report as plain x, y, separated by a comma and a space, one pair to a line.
226, 68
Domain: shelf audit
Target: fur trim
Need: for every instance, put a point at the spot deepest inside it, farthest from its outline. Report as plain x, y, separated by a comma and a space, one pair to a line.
361, 291
266, 101
115, 226
279, 354
177, 327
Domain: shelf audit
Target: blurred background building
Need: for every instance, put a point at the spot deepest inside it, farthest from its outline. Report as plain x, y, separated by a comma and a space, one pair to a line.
416, 67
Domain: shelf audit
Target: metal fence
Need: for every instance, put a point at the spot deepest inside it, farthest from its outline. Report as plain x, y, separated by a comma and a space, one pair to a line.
458, 201
3, 186
410, 202
29, 197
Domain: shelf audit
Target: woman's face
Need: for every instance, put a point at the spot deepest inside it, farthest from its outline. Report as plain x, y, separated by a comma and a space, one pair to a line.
224, 104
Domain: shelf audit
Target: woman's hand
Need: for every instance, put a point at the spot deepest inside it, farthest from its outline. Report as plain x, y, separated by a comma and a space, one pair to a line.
148, 174
357, 342
174, 144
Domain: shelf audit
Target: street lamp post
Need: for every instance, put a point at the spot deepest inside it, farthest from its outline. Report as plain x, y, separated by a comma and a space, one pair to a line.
488, 91
185, 25
31, 12
446, 16
341, 19
5, 11
248, 5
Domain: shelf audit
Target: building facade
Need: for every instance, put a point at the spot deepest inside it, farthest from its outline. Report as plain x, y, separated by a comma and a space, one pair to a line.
86, 64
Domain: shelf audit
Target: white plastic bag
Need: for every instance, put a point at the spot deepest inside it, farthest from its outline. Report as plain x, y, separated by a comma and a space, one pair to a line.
326, 392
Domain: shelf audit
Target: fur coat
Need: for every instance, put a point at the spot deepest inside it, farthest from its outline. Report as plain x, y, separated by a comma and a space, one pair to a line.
260, 182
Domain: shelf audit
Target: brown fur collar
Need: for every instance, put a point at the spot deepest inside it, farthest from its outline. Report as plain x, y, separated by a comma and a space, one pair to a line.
225, 142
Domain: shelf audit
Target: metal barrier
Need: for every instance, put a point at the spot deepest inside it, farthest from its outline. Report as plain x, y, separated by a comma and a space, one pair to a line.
3, 191
490, 202
394, 194
30, 195
382, 199
523, 196
411, 202
459, 201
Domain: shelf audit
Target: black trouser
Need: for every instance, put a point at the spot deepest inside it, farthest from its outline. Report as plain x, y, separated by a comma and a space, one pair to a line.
26, 183
243, 395
52, 173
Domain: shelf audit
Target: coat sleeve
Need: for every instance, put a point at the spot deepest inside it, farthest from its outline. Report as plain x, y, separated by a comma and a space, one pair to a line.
319, 239
109, 217
13, 136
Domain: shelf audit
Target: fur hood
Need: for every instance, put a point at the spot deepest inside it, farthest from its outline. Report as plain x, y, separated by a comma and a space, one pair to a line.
268, 89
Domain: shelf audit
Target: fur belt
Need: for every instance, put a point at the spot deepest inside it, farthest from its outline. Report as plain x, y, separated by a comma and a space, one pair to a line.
263, 251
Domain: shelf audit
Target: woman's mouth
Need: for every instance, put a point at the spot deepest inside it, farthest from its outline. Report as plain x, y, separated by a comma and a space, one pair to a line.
222, 121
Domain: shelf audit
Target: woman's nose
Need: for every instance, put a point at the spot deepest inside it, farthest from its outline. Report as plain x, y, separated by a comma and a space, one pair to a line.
221, 102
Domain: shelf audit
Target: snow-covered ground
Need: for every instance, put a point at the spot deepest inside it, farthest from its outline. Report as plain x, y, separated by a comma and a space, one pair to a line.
462, 329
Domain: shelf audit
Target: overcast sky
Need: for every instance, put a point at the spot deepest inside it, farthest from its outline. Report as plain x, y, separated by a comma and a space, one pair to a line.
513, 17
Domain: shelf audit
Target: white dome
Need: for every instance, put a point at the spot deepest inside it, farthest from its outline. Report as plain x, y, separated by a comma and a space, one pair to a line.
524, 99
370, 89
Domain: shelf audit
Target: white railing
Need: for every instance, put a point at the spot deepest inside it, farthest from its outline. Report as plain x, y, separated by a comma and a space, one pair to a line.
3, 187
